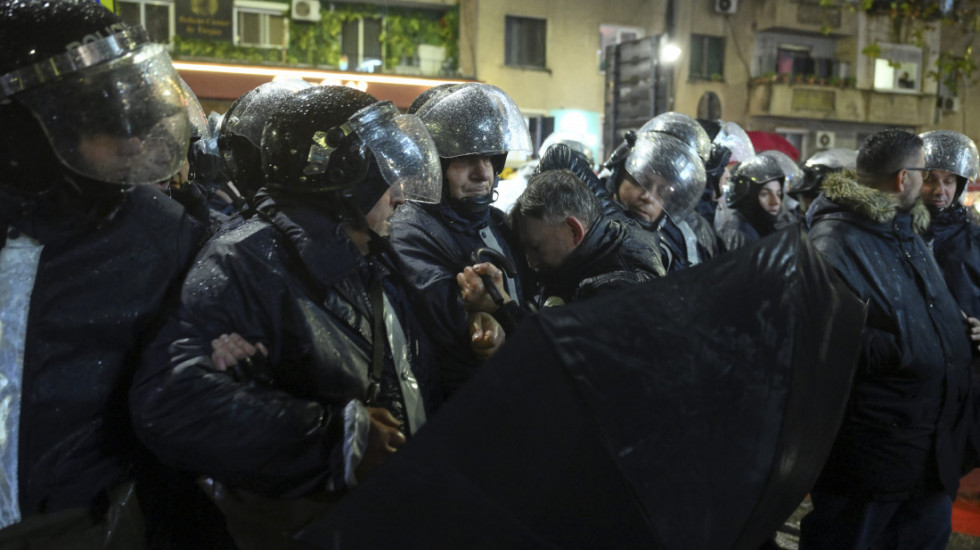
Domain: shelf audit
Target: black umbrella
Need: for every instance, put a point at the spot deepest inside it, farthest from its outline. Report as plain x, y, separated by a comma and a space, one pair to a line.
690, 412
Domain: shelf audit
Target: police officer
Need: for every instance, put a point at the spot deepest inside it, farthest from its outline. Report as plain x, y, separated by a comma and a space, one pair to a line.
952, 160
815, 170
310, 281
92, 114
755, 198
474, 127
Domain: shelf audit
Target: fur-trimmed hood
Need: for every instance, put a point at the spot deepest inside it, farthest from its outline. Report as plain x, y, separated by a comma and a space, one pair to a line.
844, 189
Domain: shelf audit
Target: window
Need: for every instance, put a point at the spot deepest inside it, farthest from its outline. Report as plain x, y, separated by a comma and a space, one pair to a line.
898, 68
257, 25
709, 106
525, 42
360, 43
707, 57
610, 35
156, 16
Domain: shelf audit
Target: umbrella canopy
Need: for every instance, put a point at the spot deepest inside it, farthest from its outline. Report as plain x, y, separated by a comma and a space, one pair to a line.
694, 411
765, 141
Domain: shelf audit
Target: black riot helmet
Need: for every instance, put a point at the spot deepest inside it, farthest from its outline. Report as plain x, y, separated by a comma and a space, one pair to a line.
340, 147
749, 176
475, 119
818, 167
85, 98
720, 154
240, 133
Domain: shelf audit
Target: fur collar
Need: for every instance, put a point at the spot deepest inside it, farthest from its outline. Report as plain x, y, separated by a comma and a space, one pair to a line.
843, 189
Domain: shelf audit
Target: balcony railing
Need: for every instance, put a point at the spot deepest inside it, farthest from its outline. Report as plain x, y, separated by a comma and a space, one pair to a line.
839, 102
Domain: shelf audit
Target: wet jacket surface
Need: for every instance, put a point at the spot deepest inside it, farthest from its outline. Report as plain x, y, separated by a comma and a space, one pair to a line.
735, 230
98, 297
434, 244
290, 278
706, 246
904, 428
956, 246
615, 253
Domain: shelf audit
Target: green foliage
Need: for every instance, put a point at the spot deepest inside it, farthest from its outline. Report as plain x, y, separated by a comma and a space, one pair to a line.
911, 19
318, 44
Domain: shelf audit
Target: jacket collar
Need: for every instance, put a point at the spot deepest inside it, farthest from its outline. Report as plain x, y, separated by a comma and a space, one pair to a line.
843, 189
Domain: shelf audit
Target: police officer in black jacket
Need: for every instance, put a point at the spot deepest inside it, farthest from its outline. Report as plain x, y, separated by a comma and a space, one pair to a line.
952, 160
92, 113
474, 127
309, 280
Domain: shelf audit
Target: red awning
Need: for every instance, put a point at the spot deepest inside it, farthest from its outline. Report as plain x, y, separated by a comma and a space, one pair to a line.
766, 141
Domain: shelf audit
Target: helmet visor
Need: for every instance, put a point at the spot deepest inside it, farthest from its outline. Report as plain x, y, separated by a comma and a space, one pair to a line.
121, 121
737, 141
681, 173
403, 149
475, 119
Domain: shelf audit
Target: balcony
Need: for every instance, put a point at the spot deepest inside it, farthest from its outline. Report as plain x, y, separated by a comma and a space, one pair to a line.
806, 16
847, 104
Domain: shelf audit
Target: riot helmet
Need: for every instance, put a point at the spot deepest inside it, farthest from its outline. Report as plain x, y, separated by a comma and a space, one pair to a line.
684, 128
749, 176
240, 133
952, 152
342, 147
475, 119
792, 171
669, 169
425, 96
736, 140
578, 143
818, 167
714, 168
86, 97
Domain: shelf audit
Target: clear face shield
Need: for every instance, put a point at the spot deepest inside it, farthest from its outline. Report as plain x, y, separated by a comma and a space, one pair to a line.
475, 119
737, 141
195, 114
113, 110
400, 144
681, 172
682, 127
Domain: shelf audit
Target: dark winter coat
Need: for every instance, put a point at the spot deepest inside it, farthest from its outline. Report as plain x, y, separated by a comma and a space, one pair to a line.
293, 280
956, 246
904, 429
98, 298
614, 254
434, 243
675, 244
736, 230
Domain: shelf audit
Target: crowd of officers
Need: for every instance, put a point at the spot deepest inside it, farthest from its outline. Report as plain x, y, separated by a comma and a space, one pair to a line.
206, 344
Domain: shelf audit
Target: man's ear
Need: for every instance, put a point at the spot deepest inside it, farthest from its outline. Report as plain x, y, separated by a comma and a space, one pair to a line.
900, 181
577, 229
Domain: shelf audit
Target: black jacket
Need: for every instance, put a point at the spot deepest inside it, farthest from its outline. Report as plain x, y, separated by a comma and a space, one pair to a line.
98, 297
956, 246
906, 421
293, 280
434, 243
675, 242
615, 253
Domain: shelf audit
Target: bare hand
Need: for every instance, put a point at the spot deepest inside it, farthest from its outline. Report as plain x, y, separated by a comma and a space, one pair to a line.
228, 349
974, 329
486, 334
384, 438
474, 292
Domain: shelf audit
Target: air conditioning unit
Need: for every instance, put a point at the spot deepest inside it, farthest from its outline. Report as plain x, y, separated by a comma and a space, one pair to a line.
825, 140
306, 10
726, 6
949, 104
